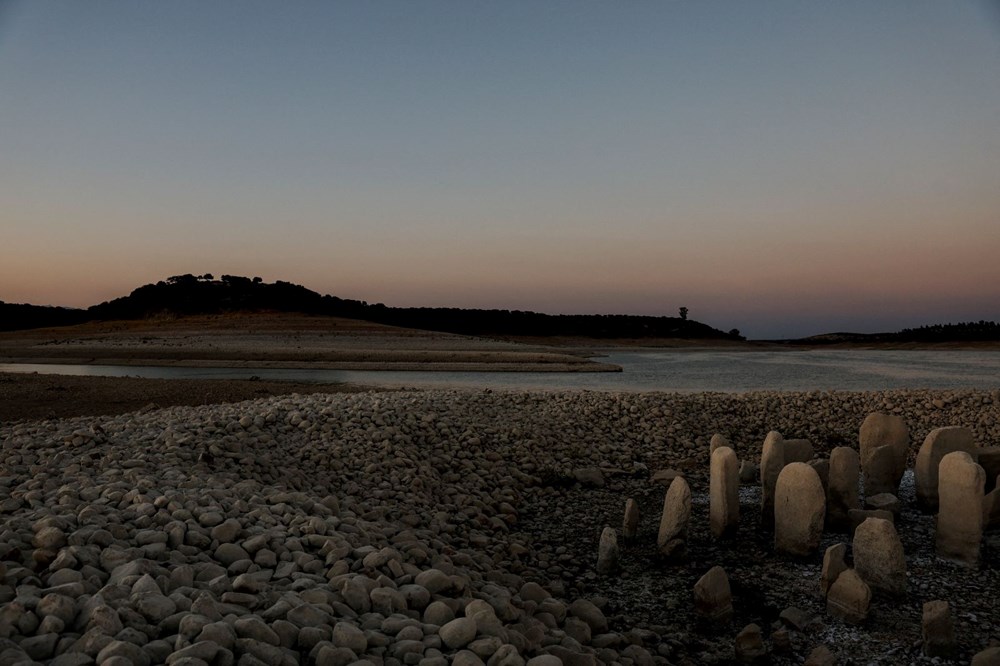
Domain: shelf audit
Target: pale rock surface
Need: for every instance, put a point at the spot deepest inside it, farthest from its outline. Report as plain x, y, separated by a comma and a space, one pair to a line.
799, 510
630, 521
937, 630
608, 551
834, 564
960, 519
772, 460
724, 493
671, 540
879, 557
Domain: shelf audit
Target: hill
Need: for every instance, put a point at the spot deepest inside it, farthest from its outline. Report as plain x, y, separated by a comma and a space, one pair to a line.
188, 294
973, 331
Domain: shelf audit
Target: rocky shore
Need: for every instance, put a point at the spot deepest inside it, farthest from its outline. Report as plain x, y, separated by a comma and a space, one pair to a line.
438, 527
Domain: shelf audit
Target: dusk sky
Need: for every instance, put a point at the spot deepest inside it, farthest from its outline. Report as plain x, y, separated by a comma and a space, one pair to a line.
785, 168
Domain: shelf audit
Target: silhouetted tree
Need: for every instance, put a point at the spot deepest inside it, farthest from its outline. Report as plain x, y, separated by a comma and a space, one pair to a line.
684, 313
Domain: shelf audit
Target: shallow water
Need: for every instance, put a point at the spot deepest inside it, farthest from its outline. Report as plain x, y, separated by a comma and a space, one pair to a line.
645, 370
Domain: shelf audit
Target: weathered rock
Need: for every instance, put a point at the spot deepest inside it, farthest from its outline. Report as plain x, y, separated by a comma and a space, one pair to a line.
834, 564
716, 442
884, 470
750, 644
939, 443
671, 541
772, 460
960, 519
884, 502
849, 598
820, 656
822, 467
991, 510
630, 522
842, 490
799, 510
796, 618
879, 558
858, 516
458, 633
987, 657
749, 473
937, 630
798, 450
607, 551
989, 460
724, 493
713, 598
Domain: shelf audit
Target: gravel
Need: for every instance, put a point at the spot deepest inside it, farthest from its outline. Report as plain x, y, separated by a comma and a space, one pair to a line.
434, 527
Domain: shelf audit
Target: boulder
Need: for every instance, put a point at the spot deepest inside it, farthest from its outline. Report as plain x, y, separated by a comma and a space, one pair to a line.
724, 493
820, 656
849, 598
879, 558
750, 644
713, 599
883, 472
717, 441
939, 443
989, 460
991, 510
960, 520
834, 564
883, 502
799, 510
937, 630
671, 541
858, 516
798, 450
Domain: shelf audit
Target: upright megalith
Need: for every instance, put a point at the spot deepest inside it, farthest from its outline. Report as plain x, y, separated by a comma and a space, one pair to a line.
879, 557
884, 469
798, 450
671, 541
842, 489
607, 552
960, 519
937, 629
630, 521
718, 441
939, 443
772, 459
834, 564
713, 599
724, 493
799, 510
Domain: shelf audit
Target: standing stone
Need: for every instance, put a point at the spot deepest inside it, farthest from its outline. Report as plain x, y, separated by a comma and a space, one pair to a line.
937, 630
879, 558
717, 442
849, 598
820, 656
724, 493
750, 644
960, 520
822, 467
798, 450
630, 523
987, 657
713, 599
799, 510
834, 564
883, 471
672, 537
607, 551
772, 459
991, 510
989, 460
858, 516
842, 490
939, 443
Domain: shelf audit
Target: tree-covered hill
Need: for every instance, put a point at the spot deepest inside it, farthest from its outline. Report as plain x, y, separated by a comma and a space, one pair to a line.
198, 295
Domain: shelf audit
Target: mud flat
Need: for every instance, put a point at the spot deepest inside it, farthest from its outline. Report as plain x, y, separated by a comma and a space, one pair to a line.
435, 527
285, 341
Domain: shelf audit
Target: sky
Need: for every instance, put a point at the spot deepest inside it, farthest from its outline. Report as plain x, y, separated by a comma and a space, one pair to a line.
784, 168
